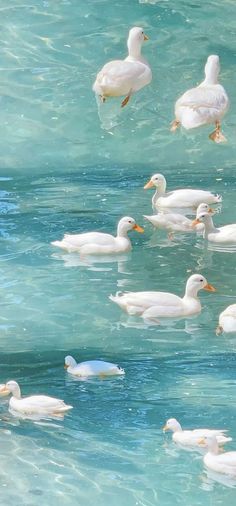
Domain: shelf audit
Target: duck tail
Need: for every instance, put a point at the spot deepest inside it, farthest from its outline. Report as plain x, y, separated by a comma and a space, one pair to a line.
57, 243
114, 297
218, 198
121, 371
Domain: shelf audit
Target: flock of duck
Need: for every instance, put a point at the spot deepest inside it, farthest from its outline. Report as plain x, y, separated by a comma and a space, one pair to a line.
204, 104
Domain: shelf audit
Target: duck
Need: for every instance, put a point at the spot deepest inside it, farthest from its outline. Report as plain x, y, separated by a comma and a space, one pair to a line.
186, 197
176, 222
191, 437
153, 304
205, 104
92, 368
221, 235
34, 404
227, 320
124, 77
219, 462
99, 243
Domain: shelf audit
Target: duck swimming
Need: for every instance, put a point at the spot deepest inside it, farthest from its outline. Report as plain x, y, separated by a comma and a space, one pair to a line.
92, 368
163, 304
221, 235
186, 197
191, 437
219, 462
34, 404
98, 243
175, 222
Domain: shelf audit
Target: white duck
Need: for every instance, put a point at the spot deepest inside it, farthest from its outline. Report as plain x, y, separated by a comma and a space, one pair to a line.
191, 437
163, 304
175, 222
35, 404
227, 320
92, 368
186, 197
221, 235
124, 77
207, 103
98, 243
219, 462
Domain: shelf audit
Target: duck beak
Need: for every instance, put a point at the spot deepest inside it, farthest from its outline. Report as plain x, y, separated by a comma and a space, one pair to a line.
66, 366
209, 288
211, 211
146, 37
195, 222
165, 428
4, 390
148, 185
138, 228
202, 442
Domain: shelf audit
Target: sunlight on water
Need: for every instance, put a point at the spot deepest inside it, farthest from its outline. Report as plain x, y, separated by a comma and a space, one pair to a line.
70, 163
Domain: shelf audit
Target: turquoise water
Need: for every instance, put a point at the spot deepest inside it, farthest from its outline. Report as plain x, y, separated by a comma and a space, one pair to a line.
65, 169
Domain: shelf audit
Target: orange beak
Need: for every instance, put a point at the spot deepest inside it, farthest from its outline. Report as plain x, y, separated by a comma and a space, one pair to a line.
165, 428
202, 442
210, 210
66, 366
146, 37
4, 390
138, 228
195, 222
209, 288
148, 185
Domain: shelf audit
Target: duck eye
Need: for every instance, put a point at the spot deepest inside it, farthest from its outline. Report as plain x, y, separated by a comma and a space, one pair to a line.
201, 280
129, 221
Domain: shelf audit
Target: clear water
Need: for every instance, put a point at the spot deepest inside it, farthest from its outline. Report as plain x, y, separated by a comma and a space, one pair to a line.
62, 169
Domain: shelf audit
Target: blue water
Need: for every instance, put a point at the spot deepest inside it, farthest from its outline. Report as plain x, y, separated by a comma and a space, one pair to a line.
64, 168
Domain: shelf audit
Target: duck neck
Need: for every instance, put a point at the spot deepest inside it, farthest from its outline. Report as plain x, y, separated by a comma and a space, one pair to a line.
17, 393
190, 292
160, 192
121, 232
73, 363
134, 49
211, 74
210, 80
209, 226
213, 448
177, 427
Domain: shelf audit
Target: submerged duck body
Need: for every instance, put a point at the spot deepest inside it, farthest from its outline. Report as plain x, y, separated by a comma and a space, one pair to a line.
92, 368
34, 404
186, 197
99, 243
163, 304
205, 104
190, 438
125, 77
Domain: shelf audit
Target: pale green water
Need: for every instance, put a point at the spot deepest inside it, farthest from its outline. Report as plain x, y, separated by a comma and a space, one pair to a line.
60, 171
